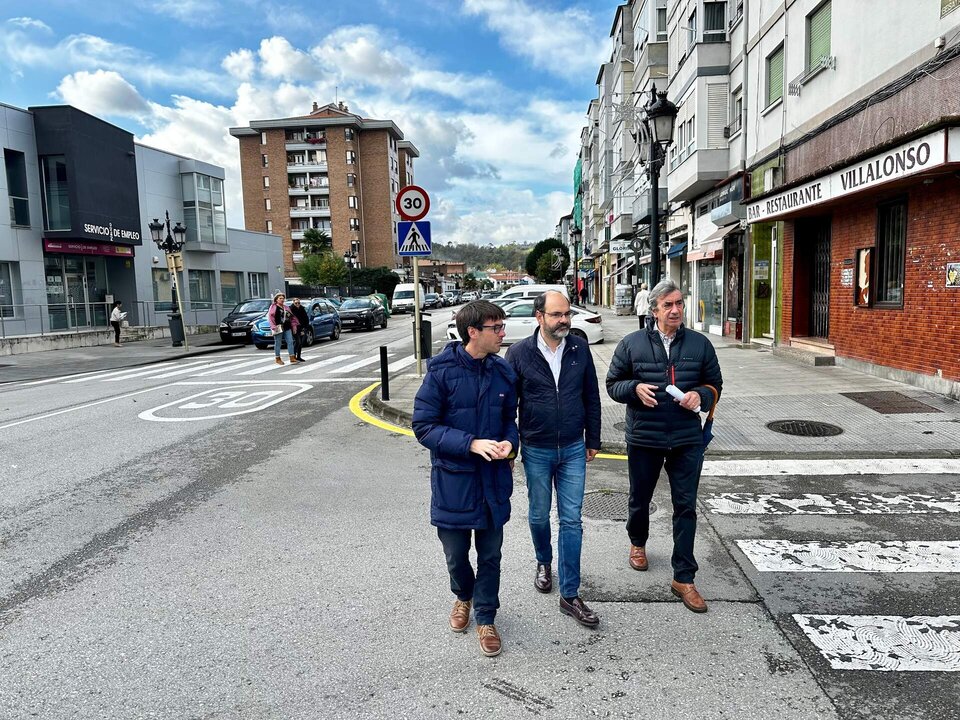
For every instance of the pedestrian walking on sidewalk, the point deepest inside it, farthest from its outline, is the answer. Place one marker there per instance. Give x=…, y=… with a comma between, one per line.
x=298, y=324
x=465, y=413
x=280, y=320
x=116, y=317
x=559, y=401
x=584, y=293
x=663, y=431
x=642, y=304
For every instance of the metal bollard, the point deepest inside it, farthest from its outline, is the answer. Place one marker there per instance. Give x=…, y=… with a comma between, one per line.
x=384, y=375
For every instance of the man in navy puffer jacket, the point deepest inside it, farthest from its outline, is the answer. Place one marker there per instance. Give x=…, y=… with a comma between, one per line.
x=661, y=430
x=465, y=414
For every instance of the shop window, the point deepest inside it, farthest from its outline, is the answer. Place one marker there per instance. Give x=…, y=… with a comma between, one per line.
x=890, y=254
x=774, y=91
x=201, y=289
x=230, y=286
x=55, y=192
x=16, y=166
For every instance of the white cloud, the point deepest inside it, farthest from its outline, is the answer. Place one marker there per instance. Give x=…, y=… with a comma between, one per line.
x=191, y=11
x=564, y=42
x=241, y=64
x=513, y=216
x=28, y=23
x=103, y=92
x=280, y=60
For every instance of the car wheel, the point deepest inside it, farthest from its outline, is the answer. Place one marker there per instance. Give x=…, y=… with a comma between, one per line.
x=261, y=346
x=579, y=333
x=384, y=323
x=308, y=337
x=335, y=333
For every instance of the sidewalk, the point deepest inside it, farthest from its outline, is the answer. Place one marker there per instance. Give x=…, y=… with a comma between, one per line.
x=760, y=388
x=54, y=363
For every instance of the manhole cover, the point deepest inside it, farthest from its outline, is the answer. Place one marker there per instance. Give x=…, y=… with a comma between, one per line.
x=621, y=426
x=804, y=428
x=889, y=402
x=606, y=505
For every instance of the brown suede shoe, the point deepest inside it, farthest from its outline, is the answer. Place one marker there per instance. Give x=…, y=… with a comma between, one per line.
x=460, y=615
x=638, y=557
x=690, y=596
x=278, y=361
x=489, y=640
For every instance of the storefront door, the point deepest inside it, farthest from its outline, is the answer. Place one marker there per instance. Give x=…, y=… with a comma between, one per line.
x=76, y=291
x=811, y=278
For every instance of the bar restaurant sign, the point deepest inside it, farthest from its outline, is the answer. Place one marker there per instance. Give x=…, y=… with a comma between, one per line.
x=908, y=159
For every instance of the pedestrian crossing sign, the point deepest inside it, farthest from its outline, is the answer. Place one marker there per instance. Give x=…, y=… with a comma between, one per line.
x=413, y=239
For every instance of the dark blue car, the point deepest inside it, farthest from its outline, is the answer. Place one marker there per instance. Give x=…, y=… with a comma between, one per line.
x=324, y=322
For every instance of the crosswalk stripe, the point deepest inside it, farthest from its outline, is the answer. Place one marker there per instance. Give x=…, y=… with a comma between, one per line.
x=400, y=364
x=878, y=466
x=184, y=371
x=929, y=643
x=308, y=367
x=831, y=504
x=913, y=556
x=129, y=372
x=357, y=364
x=247, y=363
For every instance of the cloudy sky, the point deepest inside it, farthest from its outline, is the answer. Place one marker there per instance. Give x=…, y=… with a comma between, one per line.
x=492, y=92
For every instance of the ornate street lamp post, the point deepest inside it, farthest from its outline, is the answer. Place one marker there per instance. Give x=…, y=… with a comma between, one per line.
x=350, y=258
x=171, y=245
x=659, y=117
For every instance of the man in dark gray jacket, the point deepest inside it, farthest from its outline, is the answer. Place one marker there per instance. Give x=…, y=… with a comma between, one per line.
x=663, y=430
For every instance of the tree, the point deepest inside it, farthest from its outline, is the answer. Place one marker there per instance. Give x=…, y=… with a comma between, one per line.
x=470, y=282
x=379, y=279
x=549, y=248
x=545, y=271
x=322, y=269
x=315, y=242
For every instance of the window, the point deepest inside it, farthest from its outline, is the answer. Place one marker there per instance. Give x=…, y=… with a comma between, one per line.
x=17, y=187
x=348, y=133
x=55, y=192
x=736, y=113
x=263, y=138
x=351, y=157
x=269, y=226
x=162, y=290
x=353, y=202
x=203, y=210
x=354, y=223
x=9, y=288
x=661, y=24
x=267, y=205
x=691, y=30
x=774, y=76
x=266, y=181
x=257, y=284
x=818, y=35
x=351, y=179
x=201, y=289
x=714, y=22
x=890, y=253
x=263, y=159
x=230, y=285
x=691, y=134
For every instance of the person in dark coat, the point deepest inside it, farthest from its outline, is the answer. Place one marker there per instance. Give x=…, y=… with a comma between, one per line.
x=300, y=328
x=559, y=400
x=465, y=413
x=663, y=431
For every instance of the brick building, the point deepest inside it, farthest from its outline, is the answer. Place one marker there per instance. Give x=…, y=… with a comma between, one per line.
x=331, y=170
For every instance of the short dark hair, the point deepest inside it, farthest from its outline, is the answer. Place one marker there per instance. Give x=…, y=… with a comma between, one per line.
x=540, y=302
x=474, y=314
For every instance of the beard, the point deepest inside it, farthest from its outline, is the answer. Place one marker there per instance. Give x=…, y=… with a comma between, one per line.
x=560, y=333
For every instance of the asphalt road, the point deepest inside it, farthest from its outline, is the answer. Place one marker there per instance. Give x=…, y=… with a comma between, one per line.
x=222, y=538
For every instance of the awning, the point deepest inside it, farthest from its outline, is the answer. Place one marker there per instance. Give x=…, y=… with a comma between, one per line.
x=720, y=233
x=712, y=245
x=677, y=250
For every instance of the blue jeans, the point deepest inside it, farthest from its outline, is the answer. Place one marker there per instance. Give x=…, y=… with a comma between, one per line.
x=565, y=468
x=278, y=340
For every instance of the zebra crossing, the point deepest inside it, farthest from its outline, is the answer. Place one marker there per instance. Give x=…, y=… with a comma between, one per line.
x=316, y=367
x=805, y=575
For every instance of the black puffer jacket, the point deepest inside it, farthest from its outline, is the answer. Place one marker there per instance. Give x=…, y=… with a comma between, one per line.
x=640, y=358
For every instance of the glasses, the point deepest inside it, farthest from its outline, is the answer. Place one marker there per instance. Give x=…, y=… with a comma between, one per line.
x=557, y=315
x=496, y=328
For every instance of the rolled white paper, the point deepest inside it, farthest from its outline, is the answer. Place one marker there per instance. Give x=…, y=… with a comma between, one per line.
x=676, y=392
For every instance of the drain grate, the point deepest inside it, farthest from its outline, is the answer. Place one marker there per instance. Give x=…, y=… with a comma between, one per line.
x=804, y=428
x=607, y=505
x=890, y=402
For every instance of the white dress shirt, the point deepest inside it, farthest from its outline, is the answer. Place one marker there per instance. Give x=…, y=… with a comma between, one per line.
x=553, y=358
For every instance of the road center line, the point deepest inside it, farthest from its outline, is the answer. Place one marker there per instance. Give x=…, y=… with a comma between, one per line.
x=83, y=407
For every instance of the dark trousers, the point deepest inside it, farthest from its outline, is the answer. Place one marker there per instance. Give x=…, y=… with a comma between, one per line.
x=298, y=343
x=483, y=587
x=683, y=470
x=116, y=331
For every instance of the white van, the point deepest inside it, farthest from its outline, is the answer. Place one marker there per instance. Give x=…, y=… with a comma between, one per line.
x=527, y=292
x=403, y=298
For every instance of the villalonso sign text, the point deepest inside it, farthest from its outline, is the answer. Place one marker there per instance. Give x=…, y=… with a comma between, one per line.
x=906, y=160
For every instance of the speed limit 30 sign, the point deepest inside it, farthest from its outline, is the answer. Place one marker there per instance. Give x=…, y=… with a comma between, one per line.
x=413, y=203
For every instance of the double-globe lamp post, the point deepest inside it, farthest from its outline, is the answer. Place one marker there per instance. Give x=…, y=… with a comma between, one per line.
x=171, y=245
x=350, y=259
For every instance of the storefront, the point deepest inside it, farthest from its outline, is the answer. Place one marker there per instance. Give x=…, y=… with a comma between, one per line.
x=78, y=274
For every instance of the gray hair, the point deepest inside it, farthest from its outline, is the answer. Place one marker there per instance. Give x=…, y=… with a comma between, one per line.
x=664, y=287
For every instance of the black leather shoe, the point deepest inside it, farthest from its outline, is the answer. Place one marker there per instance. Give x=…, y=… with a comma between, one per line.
x=578, y=610
x=543, y=582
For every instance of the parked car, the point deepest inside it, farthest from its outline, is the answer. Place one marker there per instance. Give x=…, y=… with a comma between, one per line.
x=449, y=298
x=431, y=301
x=324, y=323
x=522, y=292
x=238, y=324
x=521, y=322
x=358, y=313
x=382, y=299
x=403, y=295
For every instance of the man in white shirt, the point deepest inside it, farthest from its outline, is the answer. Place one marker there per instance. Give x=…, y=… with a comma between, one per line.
x=642, y=304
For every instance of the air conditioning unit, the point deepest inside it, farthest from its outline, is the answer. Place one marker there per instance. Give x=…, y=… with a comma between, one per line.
x=772, y=177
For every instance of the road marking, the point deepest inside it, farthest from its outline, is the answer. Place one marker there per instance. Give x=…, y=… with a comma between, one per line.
x=210, y=404
x=358, y=364
x=185, y=371
x=59, y=378
x=125, y=372
x=880, y=466
x=400, y=364
x=308, y=367
x=814, y=504
x=886, y=642
x=356, y=407
x=247, y=363
x=83, y=407
x=911, y=556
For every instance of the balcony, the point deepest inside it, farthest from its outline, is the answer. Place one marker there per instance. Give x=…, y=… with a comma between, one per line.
x=305, y=141
x=306, y=165
x=693, y=172
x=733, y=128
x=309, y=190
x=701, y=59
x=313, y=211
x=641, y=205
x=622, y=226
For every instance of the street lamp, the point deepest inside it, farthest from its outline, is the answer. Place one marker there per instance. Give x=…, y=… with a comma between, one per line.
x=350, y=259
x=171, y=245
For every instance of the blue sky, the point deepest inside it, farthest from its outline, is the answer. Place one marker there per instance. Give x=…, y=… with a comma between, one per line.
x=492, y=92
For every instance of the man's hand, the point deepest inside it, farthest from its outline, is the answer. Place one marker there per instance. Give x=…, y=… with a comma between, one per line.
x=506, y=447
x=591, y=454
x=690, y=401
x=487, y=449
x=645, y=391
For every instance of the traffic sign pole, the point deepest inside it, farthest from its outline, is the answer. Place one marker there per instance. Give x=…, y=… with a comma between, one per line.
x=418, y=351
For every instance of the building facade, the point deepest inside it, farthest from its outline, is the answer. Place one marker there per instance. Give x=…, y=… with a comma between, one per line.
x=76, y=235
x=331, y=170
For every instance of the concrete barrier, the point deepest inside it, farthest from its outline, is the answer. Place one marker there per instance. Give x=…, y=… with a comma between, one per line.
x=86, y=338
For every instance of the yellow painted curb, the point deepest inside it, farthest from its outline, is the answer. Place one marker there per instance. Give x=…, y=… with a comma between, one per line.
x=357, y=409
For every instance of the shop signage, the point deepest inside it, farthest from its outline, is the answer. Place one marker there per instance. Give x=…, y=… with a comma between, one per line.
x=621, y=247
x=761, y=270
x=903, y=161
x=72, y=247
x=112, y=233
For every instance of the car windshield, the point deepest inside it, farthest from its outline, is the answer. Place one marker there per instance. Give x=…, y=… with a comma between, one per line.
x=252, y=306
x=431, y=295
x=403, y=294
x=356, y=304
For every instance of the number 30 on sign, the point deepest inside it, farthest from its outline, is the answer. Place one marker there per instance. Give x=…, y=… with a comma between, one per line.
x=413, y=203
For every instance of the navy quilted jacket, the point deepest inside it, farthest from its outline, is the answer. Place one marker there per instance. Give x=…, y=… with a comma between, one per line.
x=462, y=399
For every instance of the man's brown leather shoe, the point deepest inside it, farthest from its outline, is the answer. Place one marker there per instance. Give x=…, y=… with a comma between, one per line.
x=489, y=640
x=543, y=582
x=691, y=598
x=638, y=557
x=460, y=615
x=578, y=610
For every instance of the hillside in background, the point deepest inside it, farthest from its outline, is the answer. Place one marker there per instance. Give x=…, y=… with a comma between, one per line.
x=481, y=257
